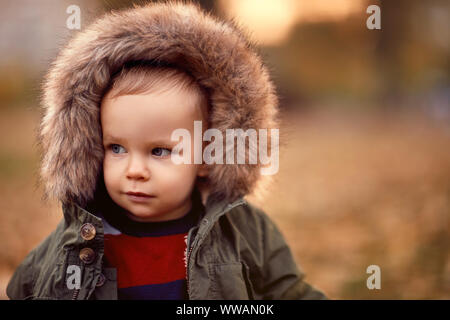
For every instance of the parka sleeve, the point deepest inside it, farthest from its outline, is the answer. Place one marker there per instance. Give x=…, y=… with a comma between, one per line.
x=21, y=284
x=282, y=278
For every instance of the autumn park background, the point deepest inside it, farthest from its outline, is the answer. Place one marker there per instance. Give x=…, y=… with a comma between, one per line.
x=365, y=169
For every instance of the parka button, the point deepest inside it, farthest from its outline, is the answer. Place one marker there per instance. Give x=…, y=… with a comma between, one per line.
x=87, y=231
x=101, y=280
x=87, y=255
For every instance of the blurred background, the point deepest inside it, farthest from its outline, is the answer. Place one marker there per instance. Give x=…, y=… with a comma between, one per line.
x=365, y=173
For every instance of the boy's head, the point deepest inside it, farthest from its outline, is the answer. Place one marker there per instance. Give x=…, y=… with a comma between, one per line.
x=216, y=53
x=140, y=110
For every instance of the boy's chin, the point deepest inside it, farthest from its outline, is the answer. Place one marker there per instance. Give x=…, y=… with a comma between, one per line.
x=146, y=216
x=143, y=216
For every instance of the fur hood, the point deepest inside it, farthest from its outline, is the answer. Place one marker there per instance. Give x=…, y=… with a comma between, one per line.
x=216, y=53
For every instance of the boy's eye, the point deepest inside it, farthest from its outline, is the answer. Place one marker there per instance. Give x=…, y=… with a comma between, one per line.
x=116, y=148
x=160, y=152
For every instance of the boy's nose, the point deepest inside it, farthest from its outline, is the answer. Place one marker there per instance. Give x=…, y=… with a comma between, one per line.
x=138, y=169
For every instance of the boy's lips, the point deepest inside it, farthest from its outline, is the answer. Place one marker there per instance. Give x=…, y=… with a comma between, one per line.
x=139, y=194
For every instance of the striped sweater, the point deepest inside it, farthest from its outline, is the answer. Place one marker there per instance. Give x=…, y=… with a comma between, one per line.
x=150, y=257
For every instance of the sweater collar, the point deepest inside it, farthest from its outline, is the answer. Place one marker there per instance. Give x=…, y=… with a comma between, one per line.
x=77, y=216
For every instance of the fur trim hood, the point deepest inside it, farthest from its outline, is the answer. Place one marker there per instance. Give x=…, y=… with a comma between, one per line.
x=216, y=53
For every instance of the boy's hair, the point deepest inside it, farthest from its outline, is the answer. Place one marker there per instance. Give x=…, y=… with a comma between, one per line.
x=144, y=78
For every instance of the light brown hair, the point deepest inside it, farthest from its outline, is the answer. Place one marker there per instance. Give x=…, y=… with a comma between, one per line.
x=140, y=78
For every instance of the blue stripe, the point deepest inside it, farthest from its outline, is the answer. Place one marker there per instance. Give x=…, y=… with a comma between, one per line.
x=174, y=290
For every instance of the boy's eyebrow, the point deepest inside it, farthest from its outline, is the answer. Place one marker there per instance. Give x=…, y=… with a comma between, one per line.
x=165, y=142
x=110, y=137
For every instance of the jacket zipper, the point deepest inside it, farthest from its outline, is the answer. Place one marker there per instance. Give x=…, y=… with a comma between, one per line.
x=75, y=294
x=187, y=265
x=187, y=270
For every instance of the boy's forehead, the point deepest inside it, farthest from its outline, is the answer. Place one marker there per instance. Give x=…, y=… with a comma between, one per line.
x=154, y=115
x=166, y=104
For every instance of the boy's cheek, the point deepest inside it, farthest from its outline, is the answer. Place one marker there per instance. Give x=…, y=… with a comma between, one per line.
x=111, y=173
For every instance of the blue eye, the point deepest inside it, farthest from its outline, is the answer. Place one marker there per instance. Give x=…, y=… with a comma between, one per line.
x=116, y=148
x=161, y=152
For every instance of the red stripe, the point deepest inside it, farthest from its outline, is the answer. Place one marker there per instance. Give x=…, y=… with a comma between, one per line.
x=146, y=260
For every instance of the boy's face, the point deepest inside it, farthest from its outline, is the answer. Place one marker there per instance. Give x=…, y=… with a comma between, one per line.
x=136, y=138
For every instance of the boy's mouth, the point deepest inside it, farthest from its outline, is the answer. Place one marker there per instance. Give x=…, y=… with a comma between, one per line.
x=138, y=196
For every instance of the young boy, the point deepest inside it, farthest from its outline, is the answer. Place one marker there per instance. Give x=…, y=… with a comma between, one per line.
x=136, y=224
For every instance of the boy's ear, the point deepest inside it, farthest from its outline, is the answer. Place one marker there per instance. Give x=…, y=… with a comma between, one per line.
x=203, y=170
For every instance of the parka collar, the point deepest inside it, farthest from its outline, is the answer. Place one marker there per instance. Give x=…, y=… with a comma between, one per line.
x=75, y=216
x=214, y=210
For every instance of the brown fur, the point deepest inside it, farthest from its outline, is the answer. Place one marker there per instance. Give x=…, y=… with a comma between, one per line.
x=216, y=53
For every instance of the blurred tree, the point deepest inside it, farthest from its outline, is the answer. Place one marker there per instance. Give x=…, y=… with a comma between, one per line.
x=394, y=31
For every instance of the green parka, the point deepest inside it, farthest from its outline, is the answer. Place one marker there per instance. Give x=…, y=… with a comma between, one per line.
x=235, y=252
